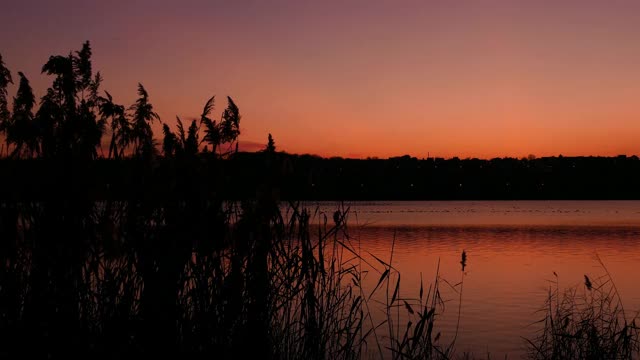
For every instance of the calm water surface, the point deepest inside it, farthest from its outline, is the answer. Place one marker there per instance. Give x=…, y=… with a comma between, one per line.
x=513, y=249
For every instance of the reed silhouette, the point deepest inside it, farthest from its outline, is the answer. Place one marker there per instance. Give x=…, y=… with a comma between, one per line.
x=586, y=323
x=123, y=257
x=188, y=247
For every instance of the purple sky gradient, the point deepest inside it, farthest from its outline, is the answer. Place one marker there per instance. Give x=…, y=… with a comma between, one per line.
x=372, y=78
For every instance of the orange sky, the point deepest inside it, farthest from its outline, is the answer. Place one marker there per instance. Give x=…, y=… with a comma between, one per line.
x=364, y=78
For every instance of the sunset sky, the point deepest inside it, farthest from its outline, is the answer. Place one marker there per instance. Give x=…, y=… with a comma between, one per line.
x=358, y=78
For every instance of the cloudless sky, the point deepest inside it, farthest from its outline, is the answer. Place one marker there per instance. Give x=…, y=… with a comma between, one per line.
x=360, y=78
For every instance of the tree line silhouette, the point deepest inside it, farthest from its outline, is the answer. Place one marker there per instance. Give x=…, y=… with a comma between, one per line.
x=410, y=178
x=74, y=116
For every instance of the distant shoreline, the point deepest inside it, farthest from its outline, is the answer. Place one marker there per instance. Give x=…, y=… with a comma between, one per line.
x=304, y=177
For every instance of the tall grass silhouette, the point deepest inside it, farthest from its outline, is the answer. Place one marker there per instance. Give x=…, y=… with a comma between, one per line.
x=586, y=322
x=131, y=278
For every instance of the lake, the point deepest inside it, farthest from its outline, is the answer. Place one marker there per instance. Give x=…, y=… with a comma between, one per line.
x=513, y=250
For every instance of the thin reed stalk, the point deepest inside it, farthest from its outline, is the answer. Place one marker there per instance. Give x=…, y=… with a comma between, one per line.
x=585, y=322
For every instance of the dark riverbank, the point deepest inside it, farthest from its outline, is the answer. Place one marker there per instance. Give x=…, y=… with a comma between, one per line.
x=314, y=178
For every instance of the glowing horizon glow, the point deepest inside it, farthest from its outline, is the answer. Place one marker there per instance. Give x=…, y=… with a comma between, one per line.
x=363, y=78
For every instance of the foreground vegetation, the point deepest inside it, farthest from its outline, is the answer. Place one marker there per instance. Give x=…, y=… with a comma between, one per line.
x=194, y=277
x=586, y=322
x=155, y=266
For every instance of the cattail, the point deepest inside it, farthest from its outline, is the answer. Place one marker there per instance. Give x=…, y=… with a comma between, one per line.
x=463, y=261
x=336, y=217
x=587, y=282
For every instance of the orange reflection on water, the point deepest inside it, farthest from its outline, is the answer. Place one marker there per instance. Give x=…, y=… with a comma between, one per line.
x=510, y=267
